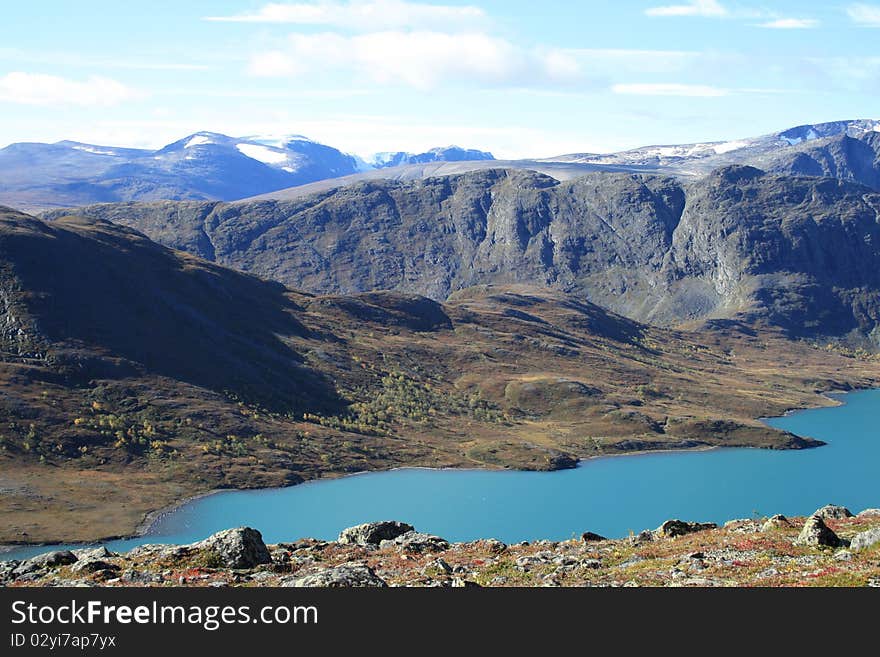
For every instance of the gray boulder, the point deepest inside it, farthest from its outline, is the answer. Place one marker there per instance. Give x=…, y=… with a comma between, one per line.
x=644, y=536
x=373, y=533
x=833, y=512
x=416, y=542
x=45, y=561
x=344, y=576
x=242, y=547
x=816, y=533
x=773, y=523
x=94, y=553
x=868, y=512
x=866, y=539
x=674, y=528
x=93, y=566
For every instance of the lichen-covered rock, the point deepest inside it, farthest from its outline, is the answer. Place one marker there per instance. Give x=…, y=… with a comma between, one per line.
x=833, y=512
x=242, y=547
x=93, y=566
x=373, y=533
x=495, y=545
x=416, y=542
x=817, y=533
x=868, y=513
x=346, y=575
x=773, y=523
x=673, y=528
x=45, y=561
x=644, y=536
x=94, y=553
x=866, y=539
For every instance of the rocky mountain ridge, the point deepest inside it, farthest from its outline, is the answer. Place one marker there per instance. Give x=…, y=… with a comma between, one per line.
x=796, y=252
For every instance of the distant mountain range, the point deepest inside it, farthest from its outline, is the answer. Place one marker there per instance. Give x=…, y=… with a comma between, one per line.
x=209, y=166
x=848, y=150
x=202, y=166
x=448, y=154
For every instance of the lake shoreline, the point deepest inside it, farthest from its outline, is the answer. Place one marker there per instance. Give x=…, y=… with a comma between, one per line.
x=150, y=519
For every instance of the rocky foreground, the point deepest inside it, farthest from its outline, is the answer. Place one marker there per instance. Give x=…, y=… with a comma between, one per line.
x=832, y=547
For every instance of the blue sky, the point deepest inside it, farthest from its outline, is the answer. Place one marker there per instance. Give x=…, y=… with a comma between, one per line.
x=518, y=78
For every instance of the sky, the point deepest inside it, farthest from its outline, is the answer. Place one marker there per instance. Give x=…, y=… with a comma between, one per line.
x=518, y=78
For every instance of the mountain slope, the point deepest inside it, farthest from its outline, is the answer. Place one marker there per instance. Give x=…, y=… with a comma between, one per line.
x=801, y=253
x=855, y=159
x=72, y=282
x=702, y=158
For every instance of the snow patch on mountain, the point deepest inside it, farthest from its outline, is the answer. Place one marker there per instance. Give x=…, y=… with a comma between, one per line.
x=730, y=146
x=94, y=150
x=198, y=140
x=262, y=153
x=276, y=141
x=794, y=141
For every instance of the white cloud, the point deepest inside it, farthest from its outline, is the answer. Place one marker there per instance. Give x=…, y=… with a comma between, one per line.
x=704, y=8
x=790, y=24
x=421, y=59
x=364, y=15
x=670, y=89
x=40, y=89
x=866, y=15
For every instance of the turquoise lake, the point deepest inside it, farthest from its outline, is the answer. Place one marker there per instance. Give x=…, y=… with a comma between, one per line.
x=610, y=496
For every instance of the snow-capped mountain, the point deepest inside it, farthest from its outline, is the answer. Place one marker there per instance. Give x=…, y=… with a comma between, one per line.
x=703, y=157
x=212, y=166
x=440, y=154
x=201, y=166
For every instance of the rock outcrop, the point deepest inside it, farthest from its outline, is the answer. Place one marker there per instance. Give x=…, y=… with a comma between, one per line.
x=413, y=541
x=373, y=533
x=817, y=533
x=778, y=521
x=45, y=561
x=348, y=575
x=235, y=548
x=866, y=539
x=833, y=512
x=674, y=528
